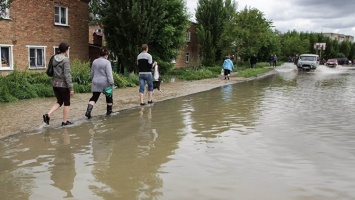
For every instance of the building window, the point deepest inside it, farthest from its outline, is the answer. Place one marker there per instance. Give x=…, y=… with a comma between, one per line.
x=60, y=15
x=56, y=51
x=37, y=57
x=187, y=60
x=6, y=53
x=188, y=36
x=4, y=14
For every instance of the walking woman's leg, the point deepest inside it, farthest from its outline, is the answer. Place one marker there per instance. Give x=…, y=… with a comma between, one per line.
x=109, y=102
x=66, y=97
x=92, y=102
x=58, y=104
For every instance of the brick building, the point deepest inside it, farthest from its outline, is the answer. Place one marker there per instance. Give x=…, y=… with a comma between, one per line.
x=189, y=53
x=31, y=30
x=96, y=40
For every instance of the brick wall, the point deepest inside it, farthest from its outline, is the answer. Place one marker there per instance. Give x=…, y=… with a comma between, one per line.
x=32, y=23
x=190, y=47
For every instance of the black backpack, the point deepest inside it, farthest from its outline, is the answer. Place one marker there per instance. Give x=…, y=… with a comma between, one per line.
x=50, y=70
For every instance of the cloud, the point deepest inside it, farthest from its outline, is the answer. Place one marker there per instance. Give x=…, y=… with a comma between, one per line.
x=303, y=15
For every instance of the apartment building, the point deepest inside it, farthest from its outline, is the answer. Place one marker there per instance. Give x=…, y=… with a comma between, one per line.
x=31, y=31
x=339, y=37
x=189, y=53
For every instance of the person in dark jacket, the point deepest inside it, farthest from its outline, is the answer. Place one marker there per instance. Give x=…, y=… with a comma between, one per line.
x=62, y=84
x=271, y=60
x=253, y=61
x=102, y=78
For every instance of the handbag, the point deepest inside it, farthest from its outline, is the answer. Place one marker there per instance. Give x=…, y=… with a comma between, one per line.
x=50, y=70
x=108, y=91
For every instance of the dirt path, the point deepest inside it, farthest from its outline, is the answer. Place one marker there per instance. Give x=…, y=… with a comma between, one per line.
x=26, y=116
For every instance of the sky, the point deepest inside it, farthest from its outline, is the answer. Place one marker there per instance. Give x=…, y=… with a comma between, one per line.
x=327, y=16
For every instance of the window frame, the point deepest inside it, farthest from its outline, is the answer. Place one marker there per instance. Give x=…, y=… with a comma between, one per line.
x=36, y=47
x=11, y=57
x=187, y=57
x=188, y=36
x=5, y=15
x=60, y=17
x=57, y=47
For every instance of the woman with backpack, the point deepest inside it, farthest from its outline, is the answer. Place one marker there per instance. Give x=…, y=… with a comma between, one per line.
x=62, y=84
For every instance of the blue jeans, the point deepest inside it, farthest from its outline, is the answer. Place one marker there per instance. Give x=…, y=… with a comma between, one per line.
x=145, y=78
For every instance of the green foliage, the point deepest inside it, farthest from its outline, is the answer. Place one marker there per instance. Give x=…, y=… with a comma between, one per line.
x=25, y=85
x=122, y=81
x=207, y=49
x=248, y=32
x=80, y=72
x=18, y=86
x=212, y=17
x=128, y=24
x=192, y=74
x=293, y=44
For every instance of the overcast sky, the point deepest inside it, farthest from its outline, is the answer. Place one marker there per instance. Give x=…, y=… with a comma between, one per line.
x=335, y=16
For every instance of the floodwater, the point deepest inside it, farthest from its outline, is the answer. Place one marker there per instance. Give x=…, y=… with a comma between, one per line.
x=289, y=136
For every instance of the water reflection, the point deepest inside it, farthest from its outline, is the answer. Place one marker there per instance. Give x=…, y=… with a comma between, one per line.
x=63, y=170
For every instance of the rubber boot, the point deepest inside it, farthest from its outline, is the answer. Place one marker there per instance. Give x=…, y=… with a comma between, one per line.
x=109, y=110
x=88, y=111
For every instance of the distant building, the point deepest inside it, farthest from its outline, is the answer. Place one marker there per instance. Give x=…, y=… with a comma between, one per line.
x=96, y=41
x=339, y=37
x=189, y=53
x=32, y=30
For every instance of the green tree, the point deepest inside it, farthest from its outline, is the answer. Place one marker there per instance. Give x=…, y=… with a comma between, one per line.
x=212, y=16
x=294, y=43
x=128, y=24
x=273, y=46
x=352, y=52
x=345, y=47
x=249, y=32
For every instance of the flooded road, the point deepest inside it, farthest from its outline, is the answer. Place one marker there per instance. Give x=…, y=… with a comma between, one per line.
x=287, y=136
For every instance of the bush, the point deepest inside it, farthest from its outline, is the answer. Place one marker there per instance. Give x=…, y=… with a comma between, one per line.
x=81, y=72
x=192, y=74
x=122, y=81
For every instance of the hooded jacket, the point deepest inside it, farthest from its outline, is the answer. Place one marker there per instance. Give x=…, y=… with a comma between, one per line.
x=228, y=64
x=62, y=72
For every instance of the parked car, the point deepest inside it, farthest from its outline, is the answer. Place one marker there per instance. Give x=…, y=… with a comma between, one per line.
x=308, y=62
x=342, y=61
x=332, y=62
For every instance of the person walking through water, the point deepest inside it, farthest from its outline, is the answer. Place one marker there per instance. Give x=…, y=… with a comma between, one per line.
x=227, y=67
x=145, y=65
x=274, y=60
x=102, y=81
x=253, y=61
x=62, y=84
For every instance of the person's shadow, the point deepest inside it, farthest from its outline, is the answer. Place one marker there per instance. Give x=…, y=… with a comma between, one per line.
x=63, y=171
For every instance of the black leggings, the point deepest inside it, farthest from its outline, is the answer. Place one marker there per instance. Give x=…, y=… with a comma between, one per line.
x=96, y=95
x=63, y=95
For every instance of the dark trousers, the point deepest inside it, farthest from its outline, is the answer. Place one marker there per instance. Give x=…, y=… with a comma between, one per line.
x=96, y=95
